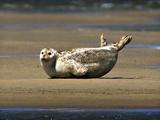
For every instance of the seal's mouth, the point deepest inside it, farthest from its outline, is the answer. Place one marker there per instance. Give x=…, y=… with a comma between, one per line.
x=45, y=59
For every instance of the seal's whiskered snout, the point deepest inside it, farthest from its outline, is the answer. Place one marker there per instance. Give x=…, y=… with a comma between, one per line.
x=45, y=57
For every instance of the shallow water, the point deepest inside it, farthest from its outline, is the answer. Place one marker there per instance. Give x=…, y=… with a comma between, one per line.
x=78, y=114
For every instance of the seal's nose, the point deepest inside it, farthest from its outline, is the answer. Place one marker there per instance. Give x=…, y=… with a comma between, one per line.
x=45, y=57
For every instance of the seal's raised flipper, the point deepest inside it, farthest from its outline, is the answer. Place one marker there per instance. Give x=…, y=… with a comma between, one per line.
x=78, y=69
x=103, y=40
x=124, y=41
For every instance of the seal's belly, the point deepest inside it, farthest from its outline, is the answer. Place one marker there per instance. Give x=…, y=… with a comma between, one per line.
x=97, y=61
x=102, y=67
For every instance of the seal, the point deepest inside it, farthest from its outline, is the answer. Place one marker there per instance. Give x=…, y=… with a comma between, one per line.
x=82, y=62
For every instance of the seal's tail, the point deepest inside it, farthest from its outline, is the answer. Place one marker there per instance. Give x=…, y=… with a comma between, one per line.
x=124, y=41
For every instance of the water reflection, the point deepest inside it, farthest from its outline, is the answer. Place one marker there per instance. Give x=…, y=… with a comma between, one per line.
x=78, y=114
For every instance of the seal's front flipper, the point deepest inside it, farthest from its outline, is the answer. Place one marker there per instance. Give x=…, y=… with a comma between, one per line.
x=124, y=41
x=103, y=40
x=78, y=69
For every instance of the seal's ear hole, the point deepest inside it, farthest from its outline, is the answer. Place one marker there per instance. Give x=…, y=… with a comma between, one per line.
x=49, y=53
x=42, y=53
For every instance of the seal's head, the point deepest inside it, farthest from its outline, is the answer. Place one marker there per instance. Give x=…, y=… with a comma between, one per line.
x=47, y=54
x=48, y=57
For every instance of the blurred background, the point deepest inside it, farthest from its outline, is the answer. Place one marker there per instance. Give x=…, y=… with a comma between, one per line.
x=77, y=5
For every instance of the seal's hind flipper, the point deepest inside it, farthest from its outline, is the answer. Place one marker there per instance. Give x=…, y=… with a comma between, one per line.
x=124, y=41
x=103, y=40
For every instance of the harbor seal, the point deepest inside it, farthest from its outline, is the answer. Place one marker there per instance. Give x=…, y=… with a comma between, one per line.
x=82, y=62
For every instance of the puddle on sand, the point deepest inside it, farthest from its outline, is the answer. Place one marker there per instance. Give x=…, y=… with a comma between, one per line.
x=153, y=66
x=148, y=46
x=78, y=114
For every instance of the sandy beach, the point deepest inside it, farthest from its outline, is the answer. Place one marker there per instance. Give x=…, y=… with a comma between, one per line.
x=134, y=82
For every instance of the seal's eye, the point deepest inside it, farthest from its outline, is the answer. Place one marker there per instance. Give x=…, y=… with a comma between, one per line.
x=42, y=53
x=49, y=53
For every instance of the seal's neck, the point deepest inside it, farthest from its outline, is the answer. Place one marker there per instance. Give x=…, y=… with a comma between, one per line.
x=49, y=66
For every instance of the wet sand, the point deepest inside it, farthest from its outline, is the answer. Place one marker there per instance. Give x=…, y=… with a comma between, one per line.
x=133, y=82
